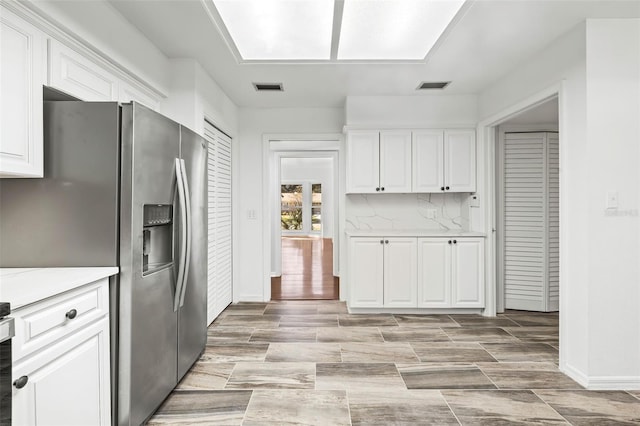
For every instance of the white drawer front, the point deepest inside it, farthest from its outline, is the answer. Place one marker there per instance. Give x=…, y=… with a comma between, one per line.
x=45, y=322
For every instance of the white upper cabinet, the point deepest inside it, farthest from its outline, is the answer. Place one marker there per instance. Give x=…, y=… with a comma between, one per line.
x=403, y=161
x=82, y=77
x=428, y=163
x=460, y=160
x=444, y=161
x=22, y=56
x=72, y=73
x=363, y=161
x=378, y=161
x=395, y=161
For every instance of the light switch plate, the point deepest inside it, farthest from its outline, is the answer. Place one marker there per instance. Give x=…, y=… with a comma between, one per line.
x=475, y=201
x=612, y=200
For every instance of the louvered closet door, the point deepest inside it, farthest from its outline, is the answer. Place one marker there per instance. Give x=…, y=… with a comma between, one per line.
x=553, y=173
x=530, y=217
x=219, y=238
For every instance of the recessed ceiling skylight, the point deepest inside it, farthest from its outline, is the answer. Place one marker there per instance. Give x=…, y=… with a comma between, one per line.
x=323, y=30
x=279, y=29
x=393, y=29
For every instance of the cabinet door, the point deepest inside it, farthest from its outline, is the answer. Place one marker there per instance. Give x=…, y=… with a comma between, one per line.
x=68, y=383
x=400, y=272
x=467, y=278
x=460, y=160
x=21, y=79
x=395, y=161
x=363, y=162
x=78, y=76
x=434, y=273
x=366, y=268
x=428, y=161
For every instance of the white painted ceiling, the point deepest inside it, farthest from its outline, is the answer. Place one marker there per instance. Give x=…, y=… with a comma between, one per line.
x=489, y=40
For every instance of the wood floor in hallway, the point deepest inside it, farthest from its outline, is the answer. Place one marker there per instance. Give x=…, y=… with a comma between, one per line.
x=307, y=270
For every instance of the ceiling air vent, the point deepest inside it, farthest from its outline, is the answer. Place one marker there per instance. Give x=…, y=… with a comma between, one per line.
x=425, y=85
x=268, y=87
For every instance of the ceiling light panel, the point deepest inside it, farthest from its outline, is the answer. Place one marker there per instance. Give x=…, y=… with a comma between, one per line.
x=393, y=29
x=279, y=29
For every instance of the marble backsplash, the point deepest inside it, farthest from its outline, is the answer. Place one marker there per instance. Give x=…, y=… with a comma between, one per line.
x=407, y=211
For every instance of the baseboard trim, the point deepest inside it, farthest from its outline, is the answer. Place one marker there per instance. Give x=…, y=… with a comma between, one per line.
x=614, y=383
x=250, y=298
x=602, y=382
x=575, y=374
x=411, y=311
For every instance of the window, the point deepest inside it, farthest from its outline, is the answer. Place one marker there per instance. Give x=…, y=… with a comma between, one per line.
x=316, y=207
x=301, y=208
x=291, y=207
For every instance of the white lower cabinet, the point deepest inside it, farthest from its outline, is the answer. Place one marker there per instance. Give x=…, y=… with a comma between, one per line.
x=416, y=272
x=434, y=273
x=67, y=384
x=382, y=272
x=451, y=272
x=366, y=271
x=65, y=381
x=400, y=273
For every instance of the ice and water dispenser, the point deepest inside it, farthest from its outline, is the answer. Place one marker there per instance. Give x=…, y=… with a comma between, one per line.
x=157, y=246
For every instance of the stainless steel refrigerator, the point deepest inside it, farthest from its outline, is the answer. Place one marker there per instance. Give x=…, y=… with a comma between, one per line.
x=124, y=186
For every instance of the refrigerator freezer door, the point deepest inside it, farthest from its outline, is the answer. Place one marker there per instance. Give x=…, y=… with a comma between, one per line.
x=192, y=316
x=147, y=321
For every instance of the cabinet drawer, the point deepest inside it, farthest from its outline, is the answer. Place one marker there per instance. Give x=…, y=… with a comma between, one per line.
x=42, y=323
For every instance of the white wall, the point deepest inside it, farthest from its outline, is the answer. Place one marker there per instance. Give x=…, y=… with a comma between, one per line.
x=424, y=110
x=254, y=123
x=597, y=67
x=193, y=96
x=613, y=151
x=313, y=170
x=561, y=63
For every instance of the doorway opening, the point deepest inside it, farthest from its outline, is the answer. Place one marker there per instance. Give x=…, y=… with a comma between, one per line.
x=306, y=225
x=527, y=211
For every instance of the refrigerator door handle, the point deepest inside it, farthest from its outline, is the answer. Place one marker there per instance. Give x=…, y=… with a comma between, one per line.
x=187, y=192
x=183, y=235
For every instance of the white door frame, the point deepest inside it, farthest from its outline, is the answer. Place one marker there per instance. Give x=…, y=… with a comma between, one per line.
x=274, y=206
x=275, y=147
x=487, y=142
x=487, y=138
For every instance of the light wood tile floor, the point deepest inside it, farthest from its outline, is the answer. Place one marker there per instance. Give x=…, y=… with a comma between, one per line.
x=312, y=363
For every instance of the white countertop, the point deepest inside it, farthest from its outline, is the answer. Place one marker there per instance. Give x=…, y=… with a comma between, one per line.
x=411, y=233
x=23, y=286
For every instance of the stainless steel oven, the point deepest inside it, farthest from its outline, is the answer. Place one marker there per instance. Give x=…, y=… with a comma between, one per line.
x=6, y=333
